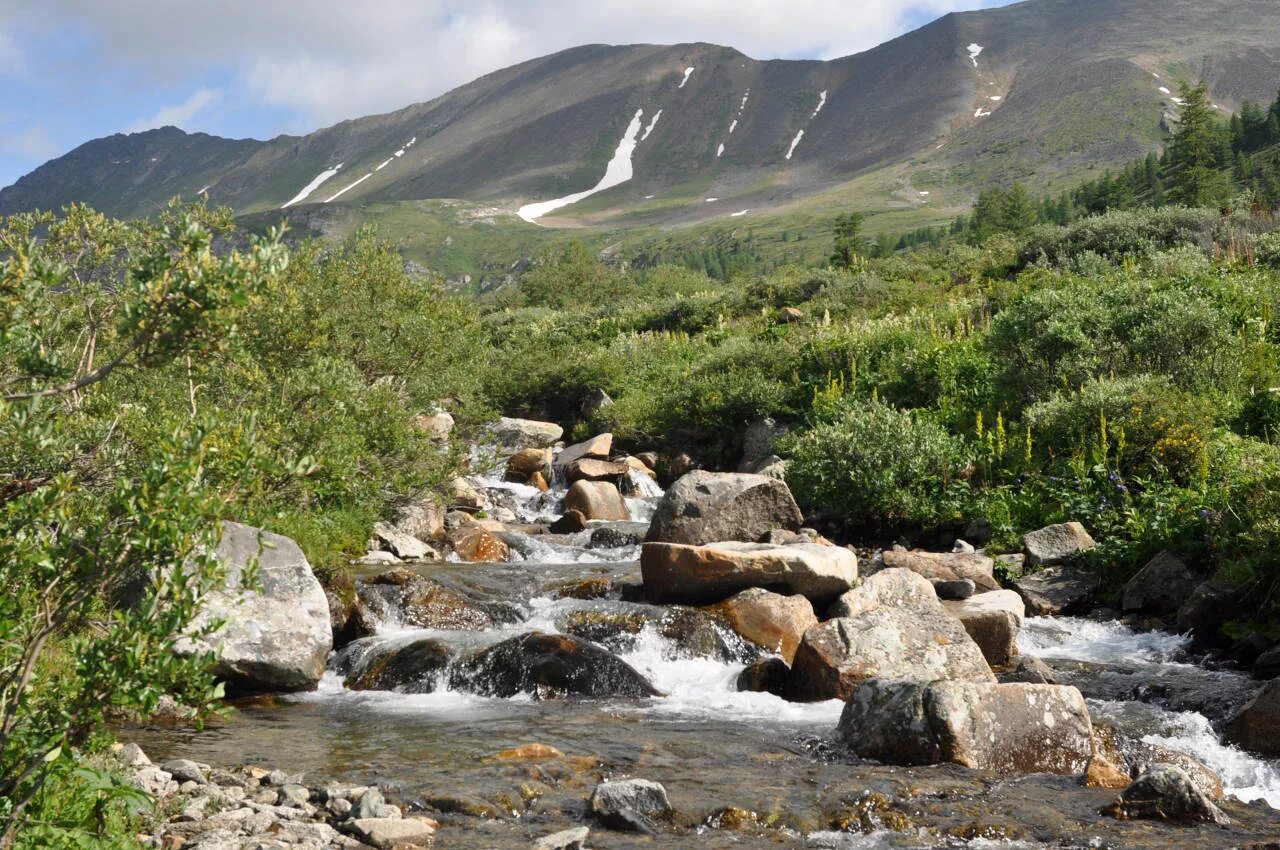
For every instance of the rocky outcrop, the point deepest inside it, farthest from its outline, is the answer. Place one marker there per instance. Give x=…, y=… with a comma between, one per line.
x=947, y=566
x=1166, y=793
x=1058, y=590
x=1160, y=587
x=549, y=665
x=703, y=574
x=1006, y=729
x=706, y=507
x=525, y=433
x=1056, y=544
x=1257, y=726
x=275, y=635
x=769, y=620
x=993, y=620
x=915, y=644
x=597, y=500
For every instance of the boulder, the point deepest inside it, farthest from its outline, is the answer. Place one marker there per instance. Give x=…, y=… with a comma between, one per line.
x=916, y=644
x=598, y=447
x=438, y=425
x=954, y=590
x=1256, y=727
x=1006, y=729
x=1056, y=544
x=705, y=507
x=549, y=665
x=524, y=464
x=1210, y=604
x=768, y=619
x=891, y=588
x=423, y=519
x=1165, y=793
x=401, y=596
x=571, y=523
x=757, y=443
x=1267, y=664
x=478, y=545
x=595, y=469
x=617, y=534
x=275, y=636
x=1057, y=590
x=416, y=668
x=388, y=833
x=638, y=464
x=568, y=839
x=597, y=500
x=467, y=496
x=525, y=433
x=1160, y=587
x=1103, y=773
x=702, y=574
x=993, y=620
x=400, y=544
x=947, y=566
x=630, y=804
x=765, y=675
x=1030, y=670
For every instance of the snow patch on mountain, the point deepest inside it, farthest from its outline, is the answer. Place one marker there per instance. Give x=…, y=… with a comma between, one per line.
x=688, y=72
x=739, y=213
x=720, y=150
x=822, y=101
x=313, y=185
x=981, y=113
x=653, y=122
x=618, y=171
x=975, y=50
x=791, y=150
x=733, y=125
x=344, y=191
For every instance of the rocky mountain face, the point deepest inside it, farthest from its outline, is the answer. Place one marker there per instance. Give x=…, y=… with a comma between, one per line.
x=694, y=131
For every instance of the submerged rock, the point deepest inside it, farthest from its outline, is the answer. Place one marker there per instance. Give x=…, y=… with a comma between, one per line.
x=1056, y=544
x=400, y=595
x=1058, y=590
x=549, y=666
x=1007, y=729
x=1165, y=793
x=615, y=535
x=701, y=574
x=705, y=507
x=947, y=566
x=275, y=636
x=631, y=805
x=993, y=620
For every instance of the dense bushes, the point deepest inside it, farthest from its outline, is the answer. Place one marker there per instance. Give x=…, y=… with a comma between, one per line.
x=1118, y=234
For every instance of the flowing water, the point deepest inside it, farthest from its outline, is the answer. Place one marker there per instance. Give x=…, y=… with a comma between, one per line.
x=742, y=769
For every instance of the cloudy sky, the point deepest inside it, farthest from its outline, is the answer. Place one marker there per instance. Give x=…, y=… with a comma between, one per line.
x=73, y=70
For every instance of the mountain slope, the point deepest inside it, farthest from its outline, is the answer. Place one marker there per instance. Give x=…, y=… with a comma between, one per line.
x=1048, y=88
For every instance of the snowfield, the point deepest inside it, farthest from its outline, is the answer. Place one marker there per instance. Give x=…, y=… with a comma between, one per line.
x=313, y=185
x=618, y=171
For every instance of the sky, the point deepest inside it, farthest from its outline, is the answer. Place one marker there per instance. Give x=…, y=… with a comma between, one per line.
x=75, y=70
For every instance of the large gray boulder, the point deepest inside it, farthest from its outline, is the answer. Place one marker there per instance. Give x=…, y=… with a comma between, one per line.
x=1007, y=729
x=1257, y=726
x=993, y=620
x=705, y=507
x=916, y=644
x=1056, y=544
x=891, y=588
x=1210, y=604
x=1058, y=590
x=1160, y=587
x=630, y=804
x=525, y=433
x=947, y=566
x=757, y=444
x=1166, y=793
x=697, y=575
x=276, y=635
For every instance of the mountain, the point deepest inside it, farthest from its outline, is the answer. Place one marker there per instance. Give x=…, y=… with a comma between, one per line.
x=1048, y=89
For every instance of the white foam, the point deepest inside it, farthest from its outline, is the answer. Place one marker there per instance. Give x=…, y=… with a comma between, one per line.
x=1077, y=639
x=794, y=142
x=688, y=72
x=720, y=151
x=347, y=189
x=739, y=213
x=975, y=50
x=650, y=197
x=743, y=105
x=313, y=185
x=924, y=192
x=822, y=101
x=653, y=122
x=618, y=171
x=1243, y=775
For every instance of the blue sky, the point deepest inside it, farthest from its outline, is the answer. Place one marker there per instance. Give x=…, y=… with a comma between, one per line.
x=74, y=70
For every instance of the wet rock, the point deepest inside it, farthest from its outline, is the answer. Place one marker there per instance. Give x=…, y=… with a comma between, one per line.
x=274, y=637
x=946, y=566
x=770, y=620
x=1006, y=729
x=888, y=643
x=598, y=587
x=766, y=675
x=1267, y=665
x=1103, y=773
x=1030, y=670
x=525, y=433
x=400, y=544
x=416, y=668
x=530, y=752
x=402, y=595
x=598, y=447
x=706, y=507
x=540, y=481
x=631, y=805
x=1165, y=793
x=597, y=500
x=1160, y=587
x=595, y=469
x=703, y=574
x=1256, y=727
x=549, y=665
x=478, y=545
x=993, y=620
x=526, y=463
x=954, y=590
x=1058, y=590
x=1210, y=604
x=387, y=833
x=1056, y=544
x=571, y=523
x=466, y=496
x=569, y=839
x=757, y=443
x=618, y=534
x=889, y=588
x=696, y=635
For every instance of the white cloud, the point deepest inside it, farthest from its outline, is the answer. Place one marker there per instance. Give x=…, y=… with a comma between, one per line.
x=329, y=61
x=179, y=113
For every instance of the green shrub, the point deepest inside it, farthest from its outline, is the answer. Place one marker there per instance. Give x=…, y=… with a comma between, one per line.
x=1118, y=234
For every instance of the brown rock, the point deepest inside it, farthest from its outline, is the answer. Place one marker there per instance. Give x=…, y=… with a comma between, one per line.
x=525, y=463
x=571, y=523
x=770, y=620
x=993, y=620
x=639, y=465
x=420, y=602
x=1102, y=773
x=600, y=447
x=594, y=469
x=476, y=544
x=539, y=481
x=597, y=500
x=701, y=574
x=530, y=752
x=947, y=566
